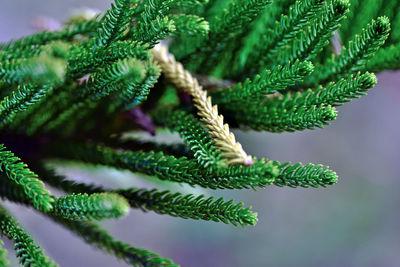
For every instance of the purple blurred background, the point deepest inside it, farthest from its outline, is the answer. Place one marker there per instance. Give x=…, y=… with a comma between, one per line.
x=353, y=223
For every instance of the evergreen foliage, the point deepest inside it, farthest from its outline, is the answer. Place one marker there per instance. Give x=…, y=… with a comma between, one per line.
x=28, y=253
x=94, y=206
x=198, y=68
x=3, y=260
x=18, y=172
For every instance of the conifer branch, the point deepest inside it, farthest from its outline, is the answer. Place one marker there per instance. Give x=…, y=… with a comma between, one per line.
x=153, y=24
x=136, y=93
x=114, y=78
x=190, y=25
x=95, y=206
x=170, y=168
x=190, y=206
x=359, y=51
x=305, y=176
x=20, y=100
x=12, y=191
x=335, y=94
x=93, y=234
x=278, y=119
x=3, y=260
x=28, y=253
x=194, y=134
x=115, y=22
x=236, y=17
x=387, y=58
x=267, y=83
x=77, y=94
x=230, y=24
x=42, y=38
x=185, y=206
x=86, y=59
x=18, y=172
x=183, y=80
x=314, y=37
x=299, y=16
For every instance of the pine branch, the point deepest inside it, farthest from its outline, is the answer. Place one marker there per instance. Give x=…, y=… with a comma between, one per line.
x=313, y=38
x=136, y=93
x=362, y=13
x=114, y=78
x=86, y=59
x=18, y=172
x=185, y=206
x=229, y=25
x=153, y=23
x=285, y=30
x=115, y=22
x=182, y=79
x=190, y=206
x=190, y=25
x=195, y=135
x=305, y=176
x=387, y=58
x=235, y=18
x=359, y=51
x=3, y=260
x=122, y=75
x=13, y=192
x=42, y=38
x=19, y=100
x=278, y=119
x=93, y=234
x=170, y=168
x=38, y=70
x=335, y=94
x=267, y=83
x=28, y=253
x=95, y=206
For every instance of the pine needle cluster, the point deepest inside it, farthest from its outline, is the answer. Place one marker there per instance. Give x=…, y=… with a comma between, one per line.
x=197, y=68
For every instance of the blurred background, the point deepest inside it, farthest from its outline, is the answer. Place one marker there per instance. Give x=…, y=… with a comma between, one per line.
x=353, y=223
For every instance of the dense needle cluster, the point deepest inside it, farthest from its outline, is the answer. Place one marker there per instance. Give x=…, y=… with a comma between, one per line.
x=197, y=68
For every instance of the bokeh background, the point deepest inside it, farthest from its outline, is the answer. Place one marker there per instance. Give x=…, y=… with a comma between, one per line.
x=353, y=223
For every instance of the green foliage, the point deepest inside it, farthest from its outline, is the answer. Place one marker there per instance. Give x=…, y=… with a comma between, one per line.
x=190, y=25
x=267, y=83
x=117, y=50
x=115, y=22
x=3, y=260
x=73, y=94
x=315, y=36
x=387, y=58
x=359, y=51
x=19, y=172
x=20, y=100
x=93, y=234
x=190, y=206
x=42, y=38
x=170, y=168
x=28, y=253
x=163, y=202
x=333, y=94
x=193, y=133
x=305, y=176
x=284, y=31
x=153, y=24
x=276, y=118
x=96, y=206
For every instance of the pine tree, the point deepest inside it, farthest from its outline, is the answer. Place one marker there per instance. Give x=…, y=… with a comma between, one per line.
x=197, y=68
